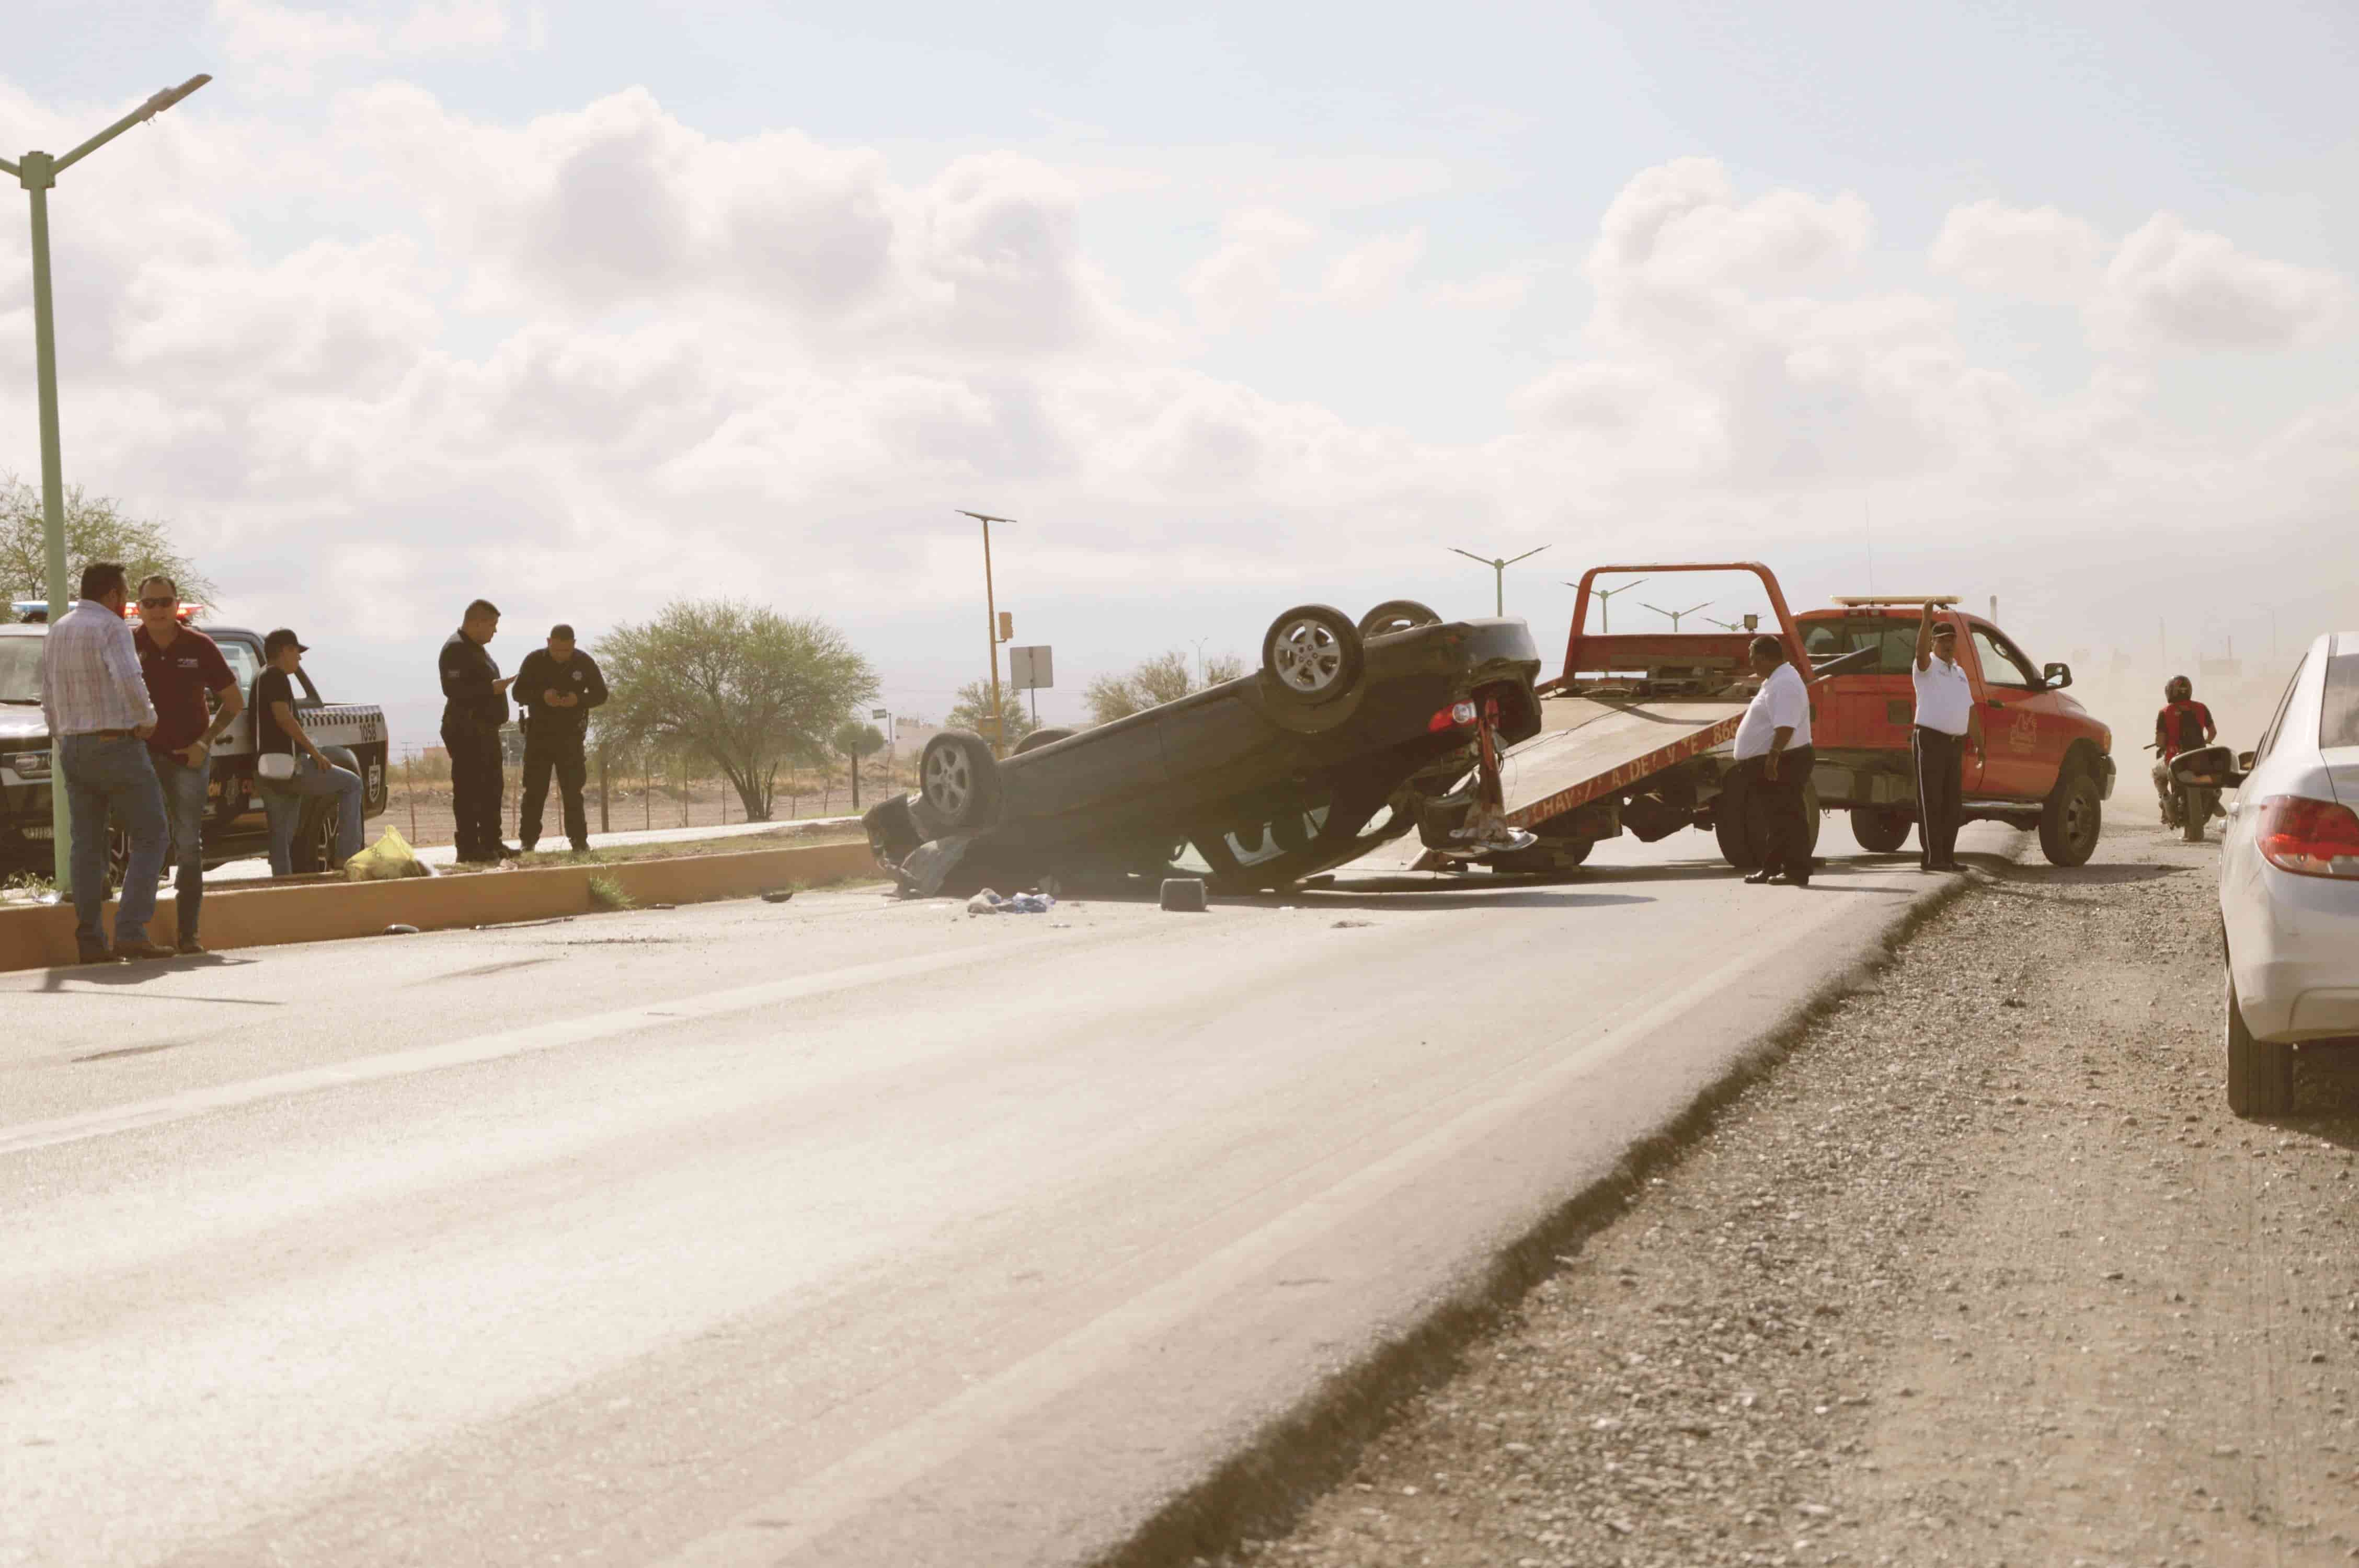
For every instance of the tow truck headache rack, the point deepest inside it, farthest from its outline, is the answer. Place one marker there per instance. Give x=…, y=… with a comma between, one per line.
x=1631, y=728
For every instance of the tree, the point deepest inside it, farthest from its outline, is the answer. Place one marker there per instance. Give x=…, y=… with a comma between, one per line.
x=1161, y=679
x=739, y=684
x=95, y=531
x=973, y=711
x=856, y=740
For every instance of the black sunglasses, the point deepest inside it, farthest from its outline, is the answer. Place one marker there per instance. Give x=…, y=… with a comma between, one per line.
x=159, y=604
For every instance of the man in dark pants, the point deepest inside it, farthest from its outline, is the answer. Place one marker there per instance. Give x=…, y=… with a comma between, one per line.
x=1945, y=718
x=1773, y=746
x=475, y=706
x=557, y=686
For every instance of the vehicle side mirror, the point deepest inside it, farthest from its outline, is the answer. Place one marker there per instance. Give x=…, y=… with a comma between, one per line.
x=2059, y=676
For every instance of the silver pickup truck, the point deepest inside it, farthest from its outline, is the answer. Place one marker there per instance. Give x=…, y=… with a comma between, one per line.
x=352, y=733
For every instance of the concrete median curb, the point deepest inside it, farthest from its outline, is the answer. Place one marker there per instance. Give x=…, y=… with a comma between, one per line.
x=323, y=910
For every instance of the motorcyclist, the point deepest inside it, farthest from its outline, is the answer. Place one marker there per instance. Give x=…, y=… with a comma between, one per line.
x=2181, y=725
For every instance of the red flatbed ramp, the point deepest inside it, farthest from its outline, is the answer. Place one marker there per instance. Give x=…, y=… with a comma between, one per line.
x=1590, y=746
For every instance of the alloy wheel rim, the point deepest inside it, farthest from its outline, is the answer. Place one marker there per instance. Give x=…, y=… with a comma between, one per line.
x=946, y=780
x=1309, y=657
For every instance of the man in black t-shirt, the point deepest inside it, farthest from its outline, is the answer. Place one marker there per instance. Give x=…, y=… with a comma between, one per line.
x=474, y=707
x=557, y=687
x=278, y=733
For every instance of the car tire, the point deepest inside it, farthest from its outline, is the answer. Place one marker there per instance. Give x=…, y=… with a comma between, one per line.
x=1396, y=615
x=1311, y=656
x=2070, y=818
x=1880, y=830
x=1039, y=737
x=2260, y=1072
x=1549, y=857
x=314, y=849
x=959, y=778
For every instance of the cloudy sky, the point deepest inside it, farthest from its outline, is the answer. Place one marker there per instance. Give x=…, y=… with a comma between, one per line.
x=585, y=306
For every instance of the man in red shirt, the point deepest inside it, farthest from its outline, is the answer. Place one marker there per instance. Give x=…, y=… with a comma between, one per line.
x=2182, y=725
x=181, y=665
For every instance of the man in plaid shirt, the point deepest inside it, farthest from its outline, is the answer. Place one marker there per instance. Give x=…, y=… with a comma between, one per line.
x=100, y=718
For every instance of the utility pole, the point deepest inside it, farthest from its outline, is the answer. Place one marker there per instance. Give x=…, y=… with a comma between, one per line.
x=991, y=628
x=1499, y=572
x=38, y=173
x=1605, y=603
x=1674, y=614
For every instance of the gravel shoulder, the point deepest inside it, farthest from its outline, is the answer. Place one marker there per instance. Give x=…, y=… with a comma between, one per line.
x=1983, y=1272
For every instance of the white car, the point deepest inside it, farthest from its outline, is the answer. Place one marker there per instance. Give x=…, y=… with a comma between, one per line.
x=2289, y=881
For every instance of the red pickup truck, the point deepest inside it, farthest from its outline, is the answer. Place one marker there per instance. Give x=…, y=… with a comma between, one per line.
x=2041, y=762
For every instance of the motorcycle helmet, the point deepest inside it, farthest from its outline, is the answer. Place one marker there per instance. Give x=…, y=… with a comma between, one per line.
x=2178, y=689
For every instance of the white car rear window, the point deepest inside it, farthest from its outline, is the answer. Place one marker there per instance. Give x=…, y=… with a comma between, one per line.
x=2338, y=723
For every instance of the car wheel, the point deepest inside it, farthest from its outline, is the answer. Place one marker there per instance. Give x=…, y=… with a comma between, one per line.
x=1039, y=737
x=1549, y=857
x=1880, y=830
x=2260, y=1072
x=1396, y=615
x=1312, y=654
x=314, y=849
x=959, y=778
x=2070, y=819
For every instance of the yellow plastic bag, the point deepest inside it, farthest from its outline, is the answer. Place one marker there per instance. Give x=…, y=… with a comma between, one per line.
x=389, y=858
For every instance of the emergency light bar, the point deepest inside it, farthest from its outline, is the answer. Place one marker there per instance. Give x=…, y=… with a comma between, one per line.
x=1857, y=599
x=185, y=613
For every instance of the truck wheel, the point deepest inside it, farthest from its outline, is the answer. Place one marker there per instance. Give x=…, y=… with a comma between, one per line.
x=959, y=778
x=1312, y=654
x=1039, y=737
x=1396, y=615
x=314, y=849
x=2260, y=1072
x=1880, y=830
x=2070, y=819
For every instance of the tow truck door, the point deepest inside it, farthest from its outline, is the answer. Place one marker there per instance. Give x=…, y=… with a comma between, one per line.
x=2017, y=735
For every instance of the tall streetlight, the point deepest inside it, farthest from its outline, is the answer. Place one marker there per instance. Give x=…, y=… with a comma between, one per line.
x=1605, y=603
x=991, y=612
x=1499, y=570
x=36, y=172
x=1674, y=614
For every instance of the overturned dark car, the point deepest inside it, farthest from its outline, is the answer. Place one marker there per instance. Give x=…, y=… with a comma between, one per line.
x=1348, y=735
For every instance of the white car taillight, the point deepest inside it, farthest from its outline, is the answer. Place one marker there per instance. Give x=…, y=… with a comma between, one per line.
x=2309, y=837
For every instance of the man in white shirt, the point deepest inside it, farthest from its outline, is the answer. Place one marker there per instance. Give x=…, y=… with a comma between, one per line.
x=1774, y=757
x=100, y=718
x=1945, y=718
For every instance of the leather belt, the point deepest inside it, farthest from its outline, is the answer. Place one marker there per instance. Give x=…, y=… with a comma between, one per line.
x=104, y=734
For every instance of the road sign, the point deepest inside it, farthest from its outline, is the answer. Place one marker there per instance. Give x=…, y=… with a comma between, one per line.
x=878, y=712
x=1031, y=668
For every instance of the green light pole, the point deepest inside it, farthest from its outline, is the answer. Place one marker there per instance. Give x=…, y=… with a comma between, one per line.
x=36, y=172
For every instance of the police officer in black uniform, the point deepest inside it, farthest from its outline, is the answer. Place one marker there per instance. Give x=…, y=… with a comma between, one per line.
x=557, y=686
x=474, y=707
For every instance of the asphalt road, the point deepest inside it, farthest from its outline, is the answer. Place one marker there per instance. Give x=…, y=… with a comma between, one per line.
x=839, y=1231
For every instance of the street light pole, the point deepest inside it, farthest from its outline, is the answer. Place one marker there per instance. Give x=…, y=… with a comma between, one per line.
x=991, y=632
x=38, y=173
x=1605, y=603
x=1499, y=572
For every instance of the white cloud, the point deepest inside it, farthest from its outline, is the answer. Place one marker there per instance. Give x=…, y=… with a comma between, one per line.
x=1370, y=276
x=2038, y=253
x=1503, y=289
x=2172, y=287
x=1242, y=282
x=286, y=48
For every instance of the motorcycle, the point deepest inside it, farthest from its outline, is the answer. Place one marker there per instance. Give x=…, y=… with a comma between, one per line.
x=2197, y=777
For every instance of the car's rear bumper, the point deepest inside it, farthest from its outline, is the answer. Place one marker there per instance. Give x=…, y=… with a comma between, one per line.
x=2295, y=957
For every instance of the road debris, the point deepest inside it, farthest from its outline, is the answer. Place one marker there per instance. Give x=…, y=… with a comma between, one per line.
x=778, y=895
x=1185, y=896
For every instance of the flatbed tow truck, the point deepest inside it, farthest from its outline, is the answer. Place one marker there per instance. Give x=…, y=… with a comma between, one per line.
x=1635, y=736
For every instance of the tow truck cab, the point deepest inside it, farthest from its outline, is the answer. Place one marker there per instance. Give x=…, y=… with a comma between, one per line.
x=2044, y=763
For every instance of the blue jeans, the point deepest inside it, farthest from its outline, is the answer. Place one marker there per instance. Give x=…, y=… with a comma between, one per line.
x=184, y=805
x=103, y=777
x=282, y=803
